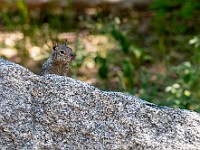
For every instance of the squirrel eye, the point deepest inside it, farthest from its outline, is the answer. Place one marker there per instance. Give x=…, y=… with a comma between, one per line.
x=62, y=52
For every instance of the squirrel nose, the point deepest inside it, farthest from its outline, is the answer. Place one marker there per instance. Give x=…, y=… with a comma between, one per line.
x=72, y=55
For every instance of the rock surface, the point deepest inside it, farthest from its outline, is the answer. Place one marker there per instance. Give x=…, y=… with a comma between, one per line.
x=54, y=112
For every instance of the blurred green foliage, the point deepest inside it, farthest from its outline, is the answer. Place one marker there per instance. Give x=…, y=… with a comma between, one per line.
x=102, y=64
x=160, y=65
x=178, y=23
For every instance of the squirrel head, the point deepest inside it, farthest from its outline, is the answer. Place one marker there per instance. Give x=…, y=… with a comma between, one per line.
x=62, y=53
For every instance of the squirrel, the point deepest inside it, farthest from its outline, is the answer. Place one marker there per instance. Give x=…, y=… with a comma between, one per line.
x=59, y=60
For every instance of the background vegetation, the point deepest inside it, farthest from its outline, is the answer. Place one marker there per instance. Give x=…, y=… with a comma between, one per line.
x=152, y=53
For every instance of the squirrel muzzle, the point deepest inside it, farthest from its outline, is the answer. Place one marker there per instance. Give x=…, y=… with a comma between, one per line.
x=71, y=56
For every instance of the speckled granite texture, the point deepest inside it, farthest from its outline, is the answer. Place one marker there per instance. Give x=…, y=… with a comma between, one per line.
x=59, y=113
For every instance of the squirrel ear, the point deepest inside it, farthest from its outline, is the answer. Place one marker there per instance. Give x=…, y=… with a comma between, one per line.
x=55, y=44
x=66, y=42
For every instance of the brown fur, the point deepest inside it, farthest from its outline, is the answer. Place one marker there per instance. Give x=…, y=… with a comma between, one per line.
x=58, y=61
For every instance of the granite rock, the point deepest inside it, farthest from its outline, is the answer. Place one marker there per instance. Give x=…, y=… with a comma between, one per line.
x=55, y=112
